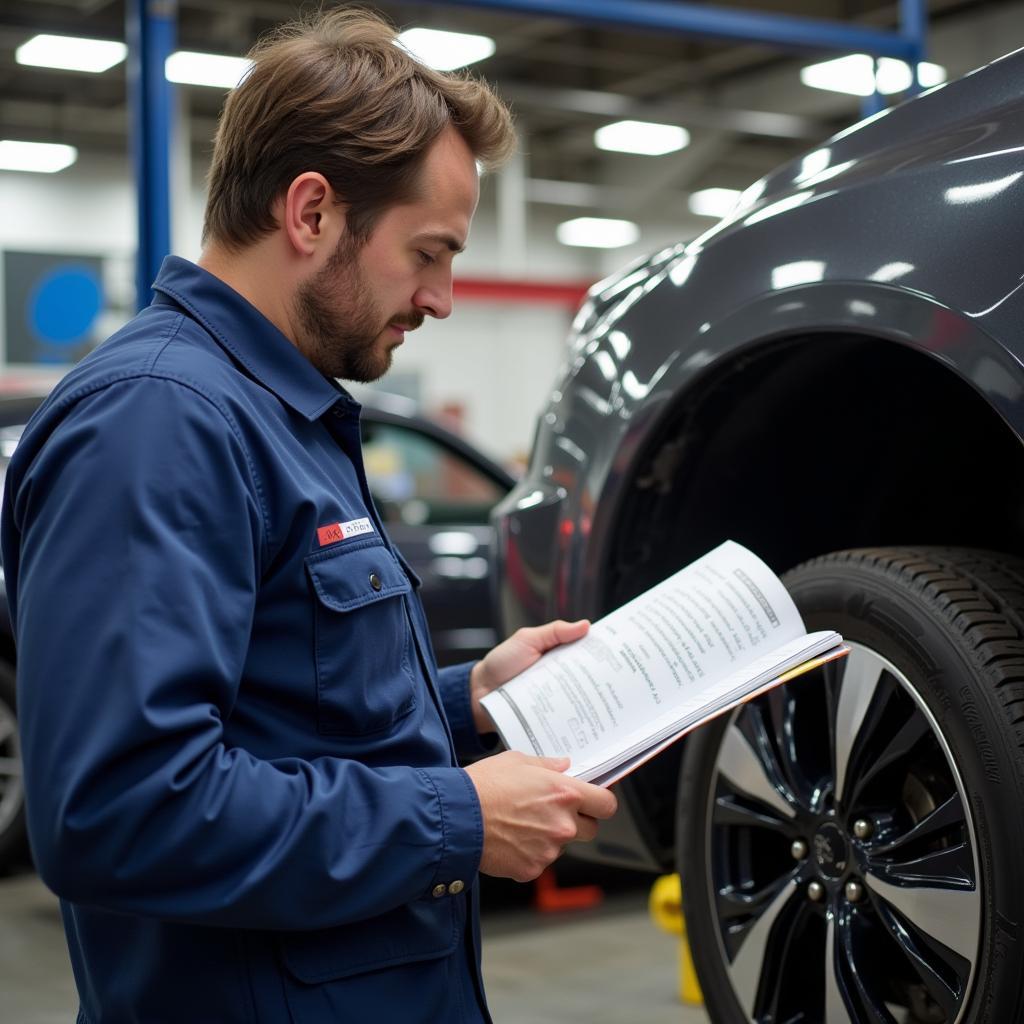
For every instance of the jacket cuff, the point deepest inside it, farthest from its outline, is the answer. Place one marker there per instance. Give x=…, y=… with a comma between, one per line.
x=454, y=685
x=462, y=831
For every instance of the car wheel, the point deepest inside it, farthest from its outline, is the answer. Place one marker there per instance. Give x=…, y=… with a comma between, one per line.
x=850, y=843
x=12, y=791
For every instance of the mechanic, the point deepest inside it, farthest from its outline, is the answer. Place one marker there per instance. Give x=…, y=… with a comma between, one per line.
x=240, y=757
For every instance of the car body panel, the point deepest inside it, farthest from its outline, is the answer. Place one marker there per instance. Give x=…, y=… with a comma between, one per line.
x=903, y=230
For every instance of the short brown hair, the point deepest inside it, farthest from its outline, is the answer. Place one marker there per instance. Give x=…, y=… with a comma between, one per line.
x=333, y=93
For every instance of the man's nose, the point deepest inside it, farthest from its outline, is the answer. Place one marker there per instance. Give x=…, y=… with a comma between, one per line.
x=435, y=299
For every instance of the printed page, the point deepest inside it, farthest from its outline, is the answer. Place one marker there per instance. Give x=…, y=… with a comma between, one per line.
x=649, y=657
x=786, y=663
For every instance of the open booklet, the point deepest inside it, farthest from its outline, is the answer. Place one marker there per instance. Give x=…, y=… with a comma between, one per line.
x=717, y=633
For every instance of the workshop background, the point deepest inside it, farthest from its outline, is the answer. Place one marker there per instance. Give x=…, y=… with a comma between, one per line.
x=730, y=106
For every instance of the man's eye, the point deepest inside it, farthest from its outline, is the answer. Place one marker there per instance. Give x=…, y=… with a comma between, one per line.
x=425, y=258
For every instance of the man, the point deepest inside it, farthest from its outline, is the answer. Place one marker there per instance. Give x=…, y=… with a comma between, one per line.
x=239, y=754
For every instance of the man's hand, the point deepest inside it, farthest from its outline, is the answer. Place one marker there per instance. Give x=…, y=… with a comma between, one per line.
x=531, y=810
x=513, y=656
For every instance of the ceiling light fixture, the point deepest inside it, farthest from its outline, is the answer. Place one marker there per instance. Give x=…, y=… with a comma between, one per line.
x=643, y=137
x=855, y=74
x=597, y=232
x=71, y=53
x=213, y=69
x=445, y=51
x=713, y=202
x=38, y=157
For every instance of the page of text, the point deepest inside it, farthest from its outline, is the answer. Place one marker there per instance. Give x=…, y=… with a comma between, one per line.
x=646, y=658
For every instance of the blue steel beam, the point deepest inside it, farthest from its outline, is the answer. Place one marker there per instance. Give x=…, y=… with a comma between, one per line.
x=720, y=23
x=150, y=30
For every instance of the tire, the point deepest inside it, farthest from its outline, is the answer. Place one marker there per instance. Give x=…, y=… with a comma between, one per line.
x=850, y=843
x=12, y=792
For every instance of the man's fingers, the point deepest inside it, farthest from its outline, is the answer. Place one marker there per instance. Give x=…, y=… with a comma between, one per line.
x=555, y=764
x=597, y=802
x=586, y=828
x=553, y=634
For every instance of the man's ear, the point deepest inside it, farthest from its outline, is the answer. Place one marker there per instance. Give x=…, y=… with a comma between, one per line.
x=310, y=216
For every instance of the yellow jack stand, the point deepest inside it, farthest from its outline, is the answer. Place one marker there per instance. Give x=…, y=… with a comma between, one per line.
x=666, y=908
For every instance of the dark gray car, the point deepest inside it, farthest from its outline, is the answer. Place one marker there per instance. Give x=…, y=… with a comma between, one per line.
x=833, y=377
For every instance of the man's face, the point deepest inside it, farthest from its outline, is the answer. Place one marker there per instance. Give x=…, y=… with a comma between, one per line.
x=355, y=310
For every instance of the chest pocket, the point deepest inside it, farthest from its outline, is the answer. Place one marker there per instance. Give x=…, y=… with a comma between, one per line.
x=364, y=674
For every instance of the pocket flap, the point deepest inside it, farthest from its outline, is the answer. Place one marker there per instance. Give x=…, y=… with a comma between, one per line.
x=424, y=930
x=351, y=577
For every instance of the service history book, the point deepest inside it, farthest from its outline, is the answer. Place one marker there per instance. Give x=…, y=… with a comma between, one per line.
x=717, y=633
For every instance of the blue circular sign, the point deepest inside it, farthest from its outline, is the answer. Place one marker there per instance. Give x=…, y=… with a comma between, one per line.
x=64, y=304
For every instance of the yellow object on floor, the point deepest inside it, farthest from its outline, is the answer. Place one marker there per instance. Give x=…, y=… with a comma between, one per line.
x=666, y=907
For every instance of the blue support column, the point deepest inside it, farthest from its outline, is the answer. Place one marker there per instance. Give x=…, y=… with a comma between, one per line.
x=150, y=31
x=914, y=26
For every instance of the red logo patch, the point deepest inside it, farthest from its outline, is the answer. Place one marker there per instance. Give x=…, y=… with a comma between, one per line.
x=329, y=534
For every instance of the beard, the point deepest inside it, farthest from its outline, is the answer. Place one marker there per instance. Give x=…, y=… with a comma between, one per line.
x=342, y=322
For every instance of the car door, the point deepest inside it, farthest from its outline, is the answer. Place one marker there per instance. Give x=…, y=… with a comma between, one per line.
x=435, y=494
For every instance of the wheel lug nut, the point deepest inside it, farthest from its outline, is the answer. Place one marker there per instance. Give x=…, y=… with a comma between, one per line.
x=863, y=828
x=815, y=891
x=798, y=849
x=854, y=892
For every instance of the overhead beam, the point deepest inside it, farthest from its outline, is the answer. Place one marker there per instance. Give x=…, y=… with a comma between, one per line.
x=784, y=31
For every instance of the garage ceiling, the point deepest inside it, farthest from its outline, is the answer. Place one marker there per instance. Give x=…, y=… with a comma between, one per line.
x=743, y=104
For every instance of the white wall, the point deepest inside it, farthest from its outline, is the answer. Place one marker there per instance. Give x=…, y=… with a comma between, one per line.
x=496, y=360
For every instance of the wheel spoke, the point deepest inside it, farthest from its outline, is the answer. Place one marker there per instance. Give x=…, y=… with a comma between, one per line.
x=748, y=964
x=746, y=772
x=10, y=767
x=921, y=957
x=861, y=675
x=837, y=1009
x=897, y=748
x=734, y=904
x=732, y=812
x=8, y=726
x=949, y=914
x=948, y=868
x=947, y=817
x=849, y=999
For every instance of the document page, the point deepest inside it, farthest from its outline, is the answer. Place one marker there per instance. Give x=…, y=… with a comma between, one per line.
x=651, y=658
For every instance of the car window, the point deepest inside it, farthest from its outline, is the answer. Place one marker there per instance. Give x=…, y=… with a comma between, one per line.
x=417, y=480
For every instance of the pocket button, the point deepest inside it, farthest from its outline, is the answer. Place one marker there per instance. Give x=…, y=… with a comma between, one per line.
x=375, y=581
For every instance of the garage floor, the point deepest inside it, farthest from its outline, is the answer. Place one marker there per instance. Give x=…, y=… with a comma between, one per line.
x=602, y=966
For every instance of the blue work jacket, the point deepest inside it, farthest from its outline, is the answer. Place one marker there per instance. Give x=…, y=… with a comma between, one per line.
x=240, y=757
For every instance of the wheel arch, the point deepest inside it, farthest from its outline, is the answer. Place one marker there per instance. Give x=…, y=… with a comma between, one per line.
x=827, y=433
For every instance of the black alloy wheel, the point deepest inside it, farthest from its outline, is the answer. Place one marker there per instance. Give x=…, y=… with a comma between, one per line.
x=850, y=843
x=12, y=789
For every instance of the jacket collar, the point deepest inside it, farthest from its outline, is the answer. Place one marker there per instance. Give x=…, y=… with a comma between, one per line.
x=248, y=337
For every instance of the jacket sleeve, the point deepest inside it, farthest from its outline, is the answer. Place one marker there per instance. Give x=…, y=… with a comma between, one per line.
x=454, y=686
x=135, y=539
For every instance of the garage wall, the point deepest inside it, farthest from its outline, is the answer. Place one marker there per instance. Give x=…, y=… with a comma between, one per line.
x=496, y=361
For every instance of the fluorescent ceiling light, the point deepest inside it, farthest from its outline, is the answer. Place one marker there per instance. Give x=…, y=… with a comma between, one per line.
x=713, y=202
x=71, y=53
x=597, y=232
x=42, y=157
x=213, y=69
x=642, y=137
x=445, y=51
x=855, y=74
